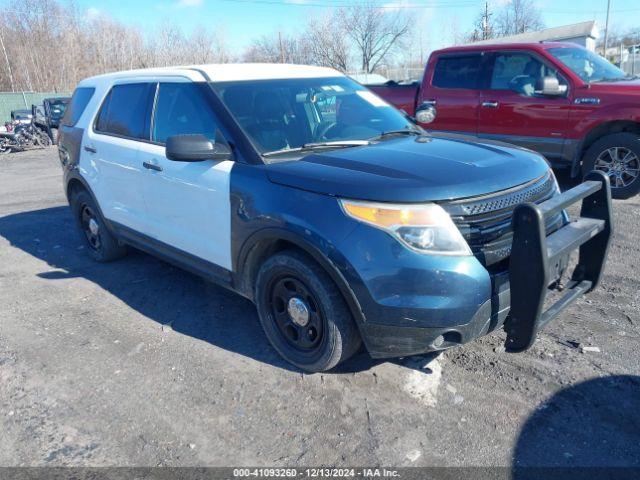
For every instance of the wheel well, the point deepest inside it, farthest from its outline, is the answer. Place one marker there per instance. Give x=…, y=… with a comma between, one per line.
x=73, y=186
x=266, y=248
x=259, y=253
x=608, y=128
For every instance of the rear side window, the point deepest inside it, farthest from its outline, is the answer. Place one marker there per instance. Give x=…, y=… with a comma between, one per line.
x=78, y=103
x=459, y=71
x=182, y=108
x=126, y=111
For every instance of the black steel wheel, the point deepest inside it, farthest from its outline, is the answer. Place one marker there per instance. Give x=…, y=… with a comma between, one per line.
x=102, y=245
x=298, y=317
x=303, y=313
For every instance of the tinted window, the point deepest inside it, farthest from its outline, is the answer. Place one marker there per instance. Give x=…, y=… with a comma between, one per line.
x=126, y=111
x=286, y=114
x=457, y=71
x=182, y=108
x=77, y=105
x=519, y=72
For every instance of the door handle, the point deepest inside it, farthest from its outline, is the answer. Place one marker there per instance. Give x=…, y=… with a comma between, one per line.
x=490, y=104
x=152, y=166
x=90, y=149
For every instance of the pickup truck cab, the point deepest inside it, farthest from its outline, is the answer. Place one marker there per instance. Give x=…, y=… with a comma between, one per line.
x=559, y=99
x=48, y=117
x=343, y=221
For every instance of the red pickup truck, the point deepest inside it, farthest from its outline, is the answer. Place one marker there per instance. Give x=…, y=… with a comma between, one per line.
x=559, y=99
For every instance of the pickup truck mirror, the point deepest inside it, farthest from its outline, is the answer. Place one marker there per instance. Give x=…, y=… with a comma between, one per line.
x=426, y=112
x=550, y=86
x=196, y=148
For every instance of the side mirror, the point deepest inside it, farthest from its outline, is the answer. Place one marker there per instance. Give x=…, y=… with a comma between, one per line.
x=196, y=148
x=426, y=112
x=550, y=86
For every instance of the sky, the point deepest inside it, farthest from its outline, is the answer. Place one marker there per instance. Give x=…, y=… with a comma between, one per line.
x=243, y=20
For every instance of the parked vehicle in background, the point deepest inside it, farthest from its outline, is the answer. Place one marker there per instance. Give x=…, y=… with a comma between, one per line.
x=48, y=116
x=21, y=117
x=23, y=136
x=343, y=221
x=559, y=99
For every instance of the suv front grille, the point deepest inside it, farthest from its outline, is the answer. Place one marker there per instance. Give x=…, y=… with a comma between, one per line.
x=485, y=221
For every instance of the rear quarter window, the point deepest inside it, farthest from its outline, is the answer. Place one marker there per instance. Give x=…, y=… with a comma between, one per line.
x=126, y=111
x=457, y=71
x=77, y=105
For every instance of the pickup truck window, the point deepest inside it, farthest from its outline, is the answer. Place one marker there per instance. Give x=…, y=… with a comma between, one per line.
x=519, y=72
x=182, y=109
x=589, y=66
x=280, y=115
x=457, y=71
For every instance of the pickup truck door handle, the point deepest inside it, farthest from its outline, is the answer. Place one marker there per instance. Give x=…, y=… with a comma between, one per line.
x=90, y=149
x=490, y=104
x=152, y=166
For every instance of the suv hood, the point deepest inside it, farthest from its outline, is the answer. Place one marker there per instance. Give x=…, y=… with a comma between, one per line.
x=412, y=169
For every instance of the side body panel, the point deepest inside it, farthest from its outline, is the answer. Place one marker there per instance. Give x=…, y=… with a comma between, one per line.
x=188, y=204
x=403, y=97
x=457, y=108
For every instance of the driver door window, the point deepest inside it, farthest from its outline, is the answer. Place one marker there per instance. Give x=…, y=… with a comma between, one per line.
x=520, y=73
x=182, y=109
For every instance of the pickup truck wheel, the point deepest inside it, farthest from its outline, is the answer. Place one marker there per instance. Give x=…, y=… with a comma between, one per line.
x=303, y=313
x=102, y=245
x=617, y=155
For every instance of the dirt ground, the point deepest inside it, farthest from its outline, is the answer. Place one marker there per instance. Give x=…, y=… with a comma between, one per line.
x=139, y=363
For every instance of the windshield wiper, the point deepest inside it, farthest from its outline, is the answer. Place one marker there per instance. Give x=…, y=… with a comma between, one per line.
x=318, y=145
x=405, y=131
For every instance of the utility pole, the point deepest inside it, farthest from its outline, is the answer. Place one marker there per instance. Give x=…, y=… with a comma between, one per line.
x=606, y=29
x=486, y=26
x=281, y=49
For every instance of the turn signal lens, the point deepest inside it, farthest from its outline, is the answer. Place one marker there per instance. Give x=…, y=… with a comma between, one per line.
x=426, y=228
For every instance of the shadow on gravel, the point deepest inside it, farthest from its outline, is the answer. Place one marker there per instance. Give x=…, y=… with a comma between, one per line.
x=176, y=299
x=593, y=425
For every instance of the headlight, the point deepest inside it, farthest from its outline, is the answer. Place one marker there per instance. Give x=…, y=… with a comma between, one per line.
x=426, y=228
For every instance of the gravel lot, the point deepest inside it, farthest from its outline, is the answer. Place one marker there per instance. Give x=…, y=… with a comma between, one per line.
x=139, y=363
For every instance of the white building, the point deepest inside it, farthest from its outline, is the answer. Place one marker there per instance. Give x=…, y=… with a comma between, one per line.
x=584, y=33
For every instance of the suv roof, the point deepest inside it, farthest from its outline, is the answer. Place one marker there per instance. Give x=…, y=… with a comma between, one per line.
x=507, y=46
x=225, y=72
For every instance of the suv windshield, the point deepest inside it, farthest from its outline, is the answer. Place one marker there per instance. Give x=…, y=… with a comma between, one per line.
x=292, y=114
x=589, y=66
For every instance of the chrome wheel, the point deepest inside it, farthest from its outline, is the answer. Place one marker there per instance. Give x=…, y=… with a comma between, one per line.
x=90, y=227
x=621, y=164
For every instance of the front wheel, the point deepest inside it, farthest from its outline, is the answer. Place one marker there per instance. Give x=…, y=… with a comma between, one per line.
x=303, y=313
x=617, y=155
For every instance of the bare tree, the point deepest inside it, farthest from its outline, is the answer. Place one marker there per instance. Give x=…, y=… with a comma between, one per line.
x=519, y=16
x=375, y=31
x=326, y=42
x=277, y=48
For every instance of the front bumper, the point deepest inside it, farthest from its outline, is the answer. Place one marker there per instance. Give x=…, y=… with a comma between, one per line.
x=415, y=303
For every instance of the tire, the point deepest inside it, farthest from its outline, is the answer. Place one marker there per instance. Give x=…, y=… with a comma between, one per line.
x=627, y=148
x=54, y=136
x=101, y=244
x=328, y=337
